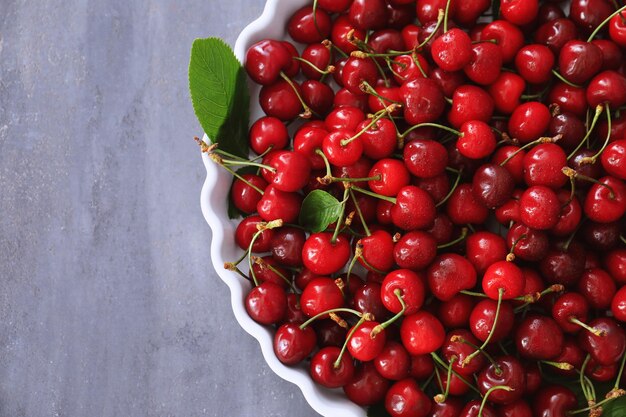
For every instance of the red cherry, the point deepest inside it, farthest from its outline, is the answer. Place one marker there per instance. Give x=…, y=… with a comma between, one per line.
x=506, y=276
x=473, y=407
x=309, y=26
x=266, y=303
x=615, y=263
x=414, y=209
x=519, y=12
x=339, y=34
x=567, y=306
x=276, y=204
x=409, y=67
x=266, y=132
x=411, y=287
x=322, y=256
x=483, y=249
x=244, y=196
x=461, y=350
x=617, y=29
x=486, y=63
x=415, y=250
x=344, y=118
x=280, y=100
x=543, y=166
x=477, y=140
x=618, y=306
x=579, y=61
x=569, y=98
x=449, y=274
x=482, y=320
x=554, y=401
x=393, y=177
x=367, y=386
x=508, y=36
x=319, y=56
x=529, y=121
x=362, y=345
x=463, y=207
x=357, y=71
x=607, y=87
x=324, y=372
x=306, y=141
x=539, y=207
x=470, y=102
x=425, y=158
x=368, y=14
x=608, y=348
x=378, y=250
x=379, y=141
x=613, y=159
x=534, y=63
x=422, y=101
x=406, y=399
x=292, y=170
x=452, y=50
x=507, y=91
x=321, y=294
x=606, y=201
x=293, y=344
x=340, y=150
x=527, y=243
x=598, y=288
x=265, y=60
x=393, y=362
x=422, y=333
x=504, y=371
x=539, y=337
x=246, y=230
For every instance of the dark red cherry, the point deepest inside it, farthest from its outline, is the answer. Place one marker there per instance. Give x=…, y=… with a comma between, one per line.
x=608, y=87
x=569, y=98
x=555, y=33
x=266, y=303
x=318, y=96
x=425, y=158
x=615, y=264
x=415, y=250
x=368, y=14
x=527, y=243
x=579, y=61
x=323, y=369
x=451, y=407
x=485, y=64
x=265, y=60
x=450, y=273
x=618, y=305
x=608, y=348
x=539, y=337
x=569, y=306
x=519, y=12
x=519, y=408
x=554, y=401
x=463, y=207
x=318, y=56
x=598, y=288
x=492, y=185
x=588, y=14
x=367, y=386
x=570, y=127
x=422, y=101
x=473, y=407
x=393, y=362
x=563, y=265
x=309, y=26
x=293, y=344
x=504, y=371
x=286, y=245
x=280, y=100
x=460, y=344
x=406, y=399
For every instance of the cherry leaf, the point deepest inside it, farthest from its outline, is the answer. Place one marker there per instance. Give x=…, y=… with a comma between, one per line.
x=319, y=209
x=615, y=408
x=219, y=94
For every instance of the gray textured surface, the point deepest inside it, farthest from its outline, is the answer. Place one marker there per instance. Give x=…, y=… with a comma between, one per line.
x=108, y=303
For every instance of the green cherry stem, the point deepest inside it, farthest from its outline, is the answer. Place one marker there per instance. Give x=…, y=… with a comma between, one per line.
x=444, y=365
x=472, y=355
x=530, y=144
x=359, y=213
x=345, y=345
x=428, y=124
x=307, y=110
x=445, y=17
x=587, y=327
x=604, y=22
x=563, y=79
x=333, y=310
x=489, y=391
x=341, y=214
x=392, y=200
x=329, y=70
x=583, y=384
x=440, y=17
x=592, y=159
x=456, y=183
x=383, y=326
x=455, y=241
x=621, y=371
x=379, y=115
x=261, y=228
x=439, y=398
x=596, y=116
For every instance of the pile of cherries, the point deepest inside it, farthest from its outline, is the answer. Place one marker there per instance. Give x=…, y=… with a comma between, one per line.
x=475, y=260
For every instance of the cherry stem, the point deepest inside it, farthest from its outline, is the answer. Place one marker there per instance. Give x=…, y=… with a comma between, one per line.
x=572, y=173
x=560, y=365
x=440, y=17
x=340, y=219
x=427, y=124
x=493, y=330
x=543, y=139
x=444, y=365
x=621, y=371
x=221, y=161
x=587, y=327
x=596, y=116
x=489, y=391
x=592, y=159
x=363, y=54
x=329, y=171
x=229, y=266
x=383, y=326
x=427, y=382
x=263, y=264
x=417, y=64
x=372, y=194
x=473, y=293
x=379, y=115
x=439, y=398
x=615, y=394
x=582, y=382
x=563, y=79
x=533, y=298
x=261, y=227
x=510, y=257
x=445, y=17
x=622, y=238
x=248, y=183
x=358, y=211
x=604, y=22
x=345, y=345
x=330, y=69
x=228, y=154
x=332, y=310
x=367, y=88
x=339, y=50
x=455, y=241
x=358, y=251
x=307, y=110
x=456, y=183
x=484, y=352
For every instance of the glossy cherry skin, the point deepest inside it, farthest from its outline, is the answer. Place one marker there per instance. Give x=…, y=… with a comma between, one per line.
x=615, y=264
x=519, y=408
x=463, y=207
x=508, y=36
x=286, y=245
x=322, y=256
x=452, y=51
x=567, y=306
x=554, y=401
x=266, y=303
x=368, y=14
x=608, y=348
x=393, y=362
x=306, y=141
x=409, y=67
x=617, y=29
x=379, y=141
x=461, y=350
x=414, y=209
x=492, y=185
x=393, y=176
x=422, y=333
x=362, y=345
x=534, y=63
x=529, y=121
x=243, y=196
x=276, y=204
x=539, y=337
x=321, y=294
x=266, y=132
x=422, y=101
x=606, y=204
x=293, y=344
x=415, y=250
x=472, y=409
x=515, y=165
x=485, y=64
x=483, y=248
x=570, y=216
x=411, y=287
x=340, y=154
x=318, y=96
x=307, y=26
x=291, y=170
x=325, y=373
x=588, y=14
x=613, y=159
x=579, y=61
x=607, y=87
x=482, y=320
x=450, y=273
x=280, y=100
x=367, y=386
x=539, y=207
x=506, y=276
x=527, y=243
x=543, y=164
x=406, y=399
x=265, y=60
x=563, y=265
x=425, y=158
x=339, y=34
x=598, y=288
x=377, y=250
x=319, y=56
x=469, y=103
x=477, y=140
x=618, y=305
x=506, y=91
x=356, y=71
x=247, y=228
x=451, y=407
x=570, y=99
x=570, y=127
x=506, y=371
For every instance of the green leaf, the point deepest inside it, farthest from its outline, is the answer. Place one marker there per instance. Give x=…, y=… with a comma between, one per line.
x=615, y=408
x=219, y=94
x=377, y=410
x=319, y=209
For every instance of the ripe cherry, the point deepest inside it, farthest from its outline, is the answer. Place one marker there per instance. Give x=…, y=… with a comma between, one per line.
x=307, y=25
x=286, y=245
x=268, y=132
x=245, y=194
x=506, y=92
x=281, y=100
x=449, y=274
x=379, y=141
x=422, y=101
x=414, y=209
x=539, y=207
x=393, y=362
x=406, y=399
x=554, y=401
x=364, y=345
x=267, y=303
x=503, y=276
x=579, y=61
x=368, y=14
x=483, y=317
x=367, y=386
x=534, y=63
x=508, y=36
x=425, y=158
x=422, y=333
x=613, y=159
x=291, y=170
x=618, y=305
x=463, y=207
x=293, y=344
x=505, y=371
x=393, y=176
x=606, y=201
x=469, y=103
x=539, y=337
x=598, y=288
x=265, y=60
x=322, y=256
x=477, y=140
x=529, y=121
x=415, y=250
x=608, y=348
x=323, y=369
x=492, y=185
x=452, y=51
x=276, y=204
x=406, y=284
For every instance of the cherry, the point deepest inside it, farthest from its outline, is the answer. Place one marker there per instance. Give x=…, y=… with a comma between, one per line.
x=425, y=158
x=344, y=118
x=514, y=157
x=606, y=201
x=485, y=64
x=529, y=121
x=392, y=177
x=447, y=81
x=291, y=170
x=519, y=408
x=452, y=51
x=344, y=98
x=405, y=399
x=334, y=6
x=438, y=187
x=321, y=294
x=588, y=14
x=322, y=256
x=367, y=386
x=571, y=354
x=467, y=13
x=473, y=407
x=422, y=366
x=617, y=29
x=508, y=36
x=483, y=317
x=385, y=40
x=363, y=345
x=340, y=31
x=357, y=71
x=414, y=209
x=359, y=169
x=415, y=250
x=613, y=159
x=612, y=55
x=539, y=207
x=615, y=264
x=268, y=269
x=539, y=337
x=505, y=277
x=281, y=100
x=306, y=141
x=607, y=87
x=319, y=97
x=569, y=98
x=570, y=127
x=265, y=60
x=618, y=305
x=563, y=264
x=393, y=362
x=519, y=12
x=505, y=371
x=526, y=243
x=598, y=288
x=608, y=348
x=506, y=92
x=422, y=101
x=329, y=333
x=247, y=228
x=377, y=250
x=570, y=216
x=554, y=401
x=367, y=299
x=276, y=204
x=268, y=132
x=323, y=369
x=469, y=103
x=492, y=185
x=384, y=97
x=409, y=67
x=293, y=344
x=286, y=246
x=245, y=192
x=379, y=140
x=451, y=407
x=477, y=140
x=543, y=166
x=422, y=333
x=406, y=284
x=307, y=25
x=459, y=344
x=368, y=14
x=317, y=57
x=449, y=274
x=567, y=307
x=463, y=207
x=534, y=63
x=266, y=303
x=341, y=149
x=579, y=61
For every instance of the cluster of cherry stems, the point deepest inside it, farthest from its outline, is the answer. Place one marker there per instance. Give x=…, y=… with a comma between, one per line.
x=479, y=161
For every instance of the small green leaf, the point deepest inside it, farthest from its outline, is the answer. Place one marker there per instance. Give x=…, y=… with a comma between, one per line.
x=219, y=94
x=377, y=410
x=615, y=408
x=319, y=209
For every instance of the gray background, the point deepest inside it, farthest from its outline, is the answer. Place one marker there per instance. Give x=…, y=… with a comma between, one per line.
x=108, y=303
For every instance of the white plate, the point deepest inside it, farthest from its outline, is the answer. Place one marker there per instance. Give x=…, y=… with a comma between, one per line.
x=271, y=24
